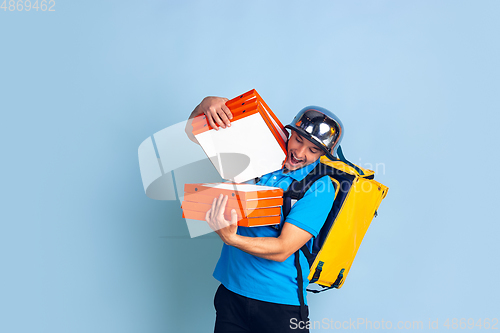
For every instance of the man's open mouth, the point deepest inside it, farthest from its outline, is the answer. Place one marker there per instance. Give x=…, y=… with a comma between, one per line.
x=295, y=160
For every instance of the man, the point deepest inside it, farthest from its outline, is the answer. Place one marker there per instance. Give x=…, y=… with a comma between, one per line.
x=259, y=289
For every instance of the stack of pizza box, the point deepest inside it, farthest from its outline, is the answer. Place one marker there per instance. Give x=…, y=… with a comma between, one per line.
x=254, y=144
x=255, y=205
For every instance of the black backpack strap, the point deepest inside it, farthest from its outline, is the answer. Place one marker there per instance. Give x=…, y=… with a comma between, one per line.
x=296, y=191
x=307, y=253
x=319, y=291
x=335, y=284
x=300, y=283
x=343, y=159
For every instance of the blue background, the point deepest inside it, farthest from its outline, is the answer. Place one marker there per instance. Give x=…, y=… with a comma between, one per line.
x=415, y=83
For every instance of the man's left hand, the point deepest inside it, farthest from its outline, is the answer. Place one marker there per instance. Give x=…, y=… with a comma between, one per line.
x=217, y=222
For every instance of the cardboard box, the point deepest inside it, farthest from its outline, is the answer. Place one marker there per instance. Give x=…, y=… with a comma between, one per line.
x=255, y=142
x=255, y=205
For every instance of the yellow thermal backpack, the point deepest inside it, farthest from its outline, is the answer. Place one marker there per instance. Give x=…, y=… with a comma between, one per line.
x=357, y=198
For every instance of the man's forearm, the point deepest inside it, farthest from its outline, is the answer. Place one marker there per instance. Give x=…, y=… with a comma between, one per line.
x=264, y=247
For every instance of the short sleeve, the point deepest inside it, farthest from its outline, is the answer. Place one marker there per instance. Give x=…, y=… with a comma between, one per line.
x=310, y=212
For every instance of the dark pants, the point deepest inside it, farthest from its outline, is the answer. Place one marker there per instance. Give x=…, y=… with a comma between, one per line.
x=236, y=313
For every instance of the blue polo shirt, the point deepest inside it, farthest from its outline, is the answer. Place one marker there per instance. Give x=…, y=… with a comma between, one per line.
x=269, y=280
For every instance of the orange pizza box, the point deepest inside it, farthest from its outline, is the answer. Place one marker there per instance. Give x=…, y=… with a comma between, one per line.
x=259, y=212
x=234, y=203
x=255, y=140
x=245, y=222
x=240, y=192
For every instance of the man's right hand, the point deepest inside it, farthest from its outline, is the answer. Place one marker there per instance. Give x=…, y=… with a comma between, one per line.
x=218, y=114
